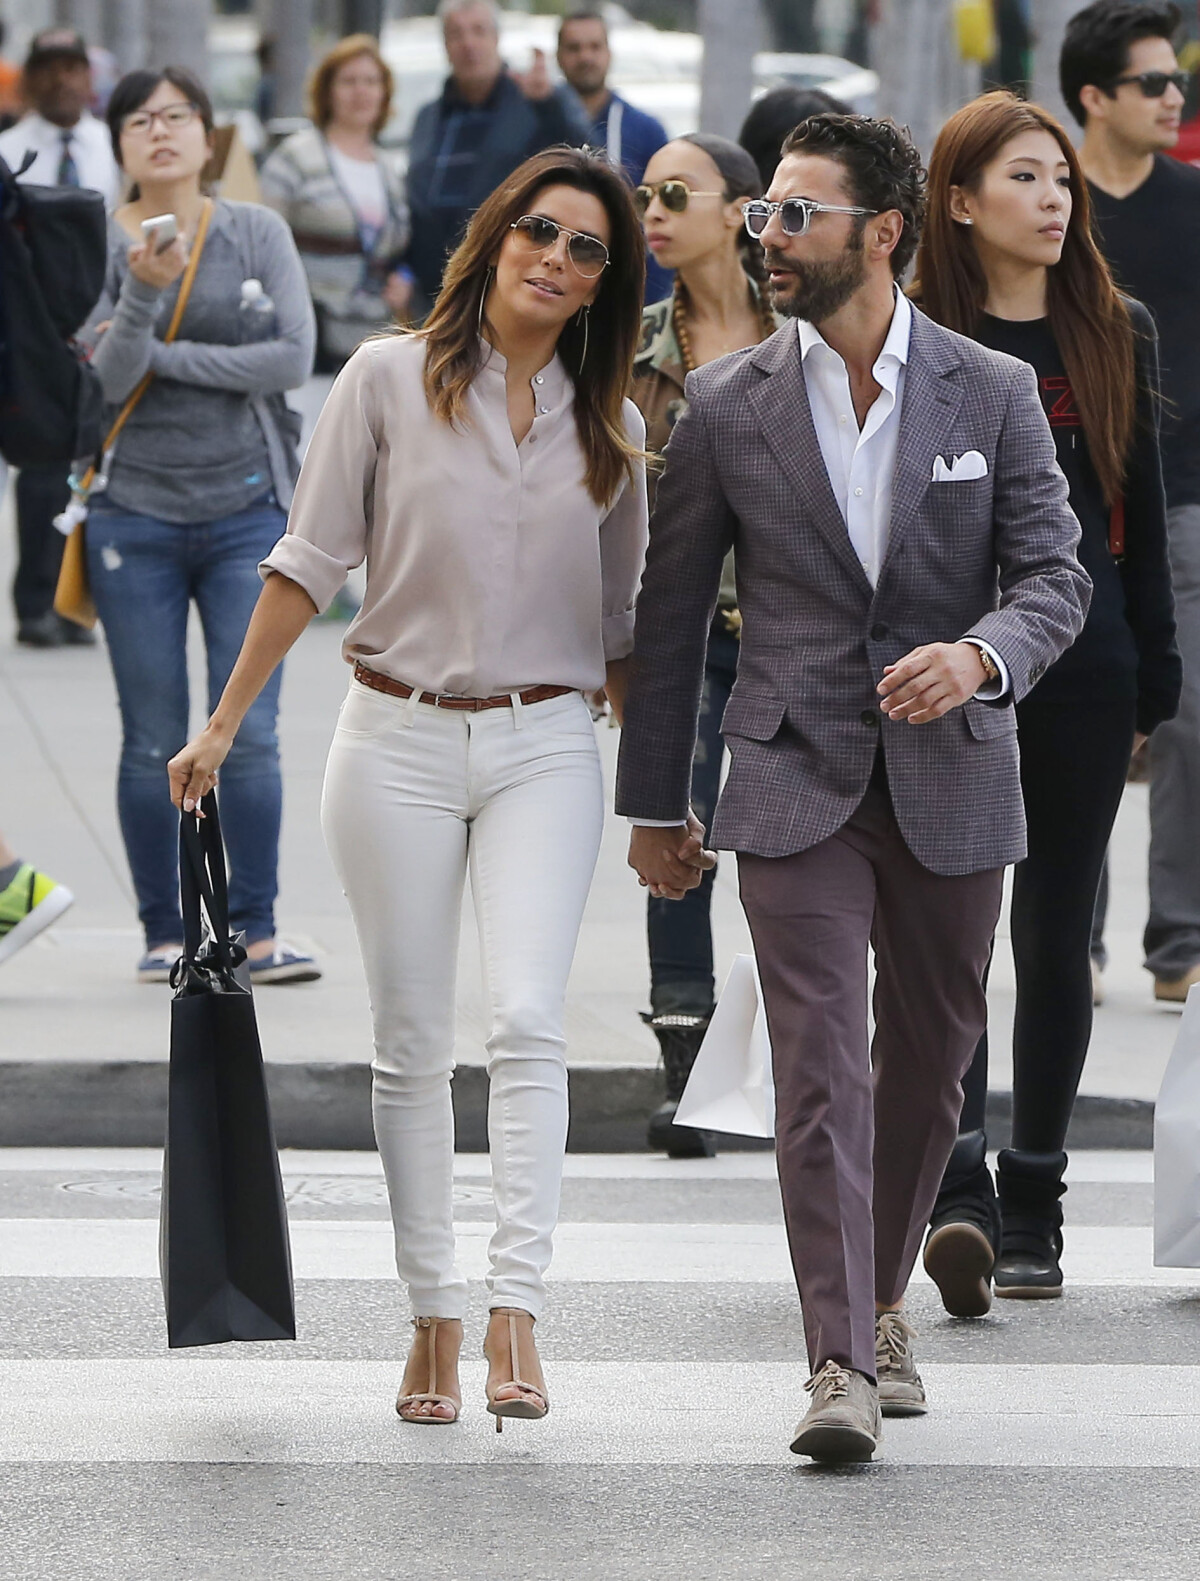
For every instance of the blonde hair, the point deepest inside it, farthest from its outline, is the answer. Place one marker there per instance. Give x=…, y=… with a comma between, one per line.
x=320, y=89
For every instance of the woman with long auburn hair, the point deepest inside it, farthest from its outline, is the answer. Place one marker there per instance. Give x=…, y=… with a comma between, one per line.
x=491, y=472
x=1007, y=257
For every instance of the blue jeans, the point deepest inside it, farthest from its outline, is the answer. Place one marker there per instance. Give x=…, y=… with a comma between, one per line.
x=680, y=931
x=144, y=575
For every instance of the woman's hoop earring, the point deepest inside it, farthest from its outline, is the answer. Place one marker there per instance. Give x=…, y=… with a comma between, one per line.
x=483, y=293
x=585, y=313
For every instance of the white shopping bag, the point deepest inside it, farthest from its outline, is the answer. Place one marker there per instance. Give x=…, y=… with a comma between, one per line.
x=1177, y=1149
x=730, y=1088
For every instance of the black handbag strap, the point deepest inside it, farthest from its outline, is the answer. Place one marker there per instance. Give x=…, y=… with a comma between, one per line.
x=203, y=883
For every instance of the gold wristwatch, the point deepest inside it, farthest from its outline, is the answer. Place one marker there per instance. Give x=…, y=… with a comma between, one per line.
x=990, y=672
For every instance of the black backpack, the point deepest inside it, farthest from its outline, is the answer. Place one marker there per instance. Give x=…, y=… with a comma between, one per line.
x=53, y=254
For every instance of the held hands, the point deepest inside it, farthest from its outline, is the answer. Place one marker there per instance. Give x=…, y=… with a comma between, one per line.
x=192, y=773
x=669, y=862
x=535, y=83
x=158, y=269
x=930, y=681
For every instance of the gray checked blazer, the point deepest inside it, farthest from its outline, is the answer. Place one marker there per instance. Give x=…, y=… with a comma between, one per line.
x=993, y=557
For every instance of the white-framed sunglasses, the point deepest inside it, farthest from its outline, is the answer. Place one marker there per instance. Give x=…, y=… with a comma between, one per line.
x=795, y=214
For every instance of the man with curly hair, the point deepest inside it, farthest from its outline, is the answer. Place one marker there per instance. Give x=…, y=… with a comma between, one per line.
x=906, y=571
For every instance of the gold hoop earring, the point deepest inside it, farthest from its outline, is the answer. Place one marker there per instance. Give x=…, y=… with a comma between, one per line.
x=585, y=313
x=483, y=294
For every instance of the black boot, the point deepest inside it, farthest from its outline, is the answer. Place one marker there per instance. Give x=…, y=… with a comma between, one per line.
x=679, y=1039
x=964, y=1230
x=1031, y=1215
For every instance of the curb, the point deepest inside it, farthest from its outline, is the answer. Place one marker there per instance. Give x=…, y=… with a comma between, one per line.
x=123, y=1103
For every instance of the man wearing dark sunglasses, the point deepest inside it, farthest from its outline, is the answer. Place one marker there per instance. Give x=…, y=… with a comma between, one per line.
x=1122, y=83
x=876, y=477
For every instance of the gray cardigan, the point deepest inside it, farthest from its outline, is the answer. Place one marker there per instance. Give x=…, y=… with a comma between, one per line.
x=212, y=433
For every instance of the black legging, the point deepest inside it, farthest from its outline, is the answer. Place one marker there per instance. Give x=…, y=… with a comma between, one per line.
x=1075, y=750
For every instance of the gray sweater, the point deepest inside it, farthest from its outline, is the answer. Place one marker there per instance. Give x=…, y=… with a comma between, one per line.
x=213, y=433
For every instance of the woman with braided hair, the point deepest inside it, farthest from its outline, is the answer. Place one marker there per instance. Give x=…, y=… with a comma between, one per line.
x=691, y=201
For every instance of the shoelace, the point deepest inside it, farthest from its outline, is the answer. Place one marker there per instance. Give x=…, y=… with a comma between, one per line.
x=892, y=1336
x=833, y=1379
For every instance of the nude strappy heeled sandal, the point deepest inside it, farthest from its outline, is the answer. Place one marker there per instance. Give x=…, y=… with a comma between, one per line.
x=431, y=1394
x=530, y=1403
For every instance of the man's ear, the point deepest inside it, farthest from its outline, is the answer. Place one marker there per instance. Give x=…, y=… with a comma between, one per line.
x=1094, y=101
x=889, y=227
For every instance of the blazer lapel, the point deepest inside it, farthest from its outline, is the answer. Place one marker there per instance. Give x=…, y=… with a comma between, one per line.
x=780, y=405
x=932, y=396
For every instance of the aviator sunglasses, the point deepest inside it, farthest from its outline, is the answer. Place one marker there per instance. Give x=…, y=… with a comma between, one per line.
x=795, y=214
x=673, y=195
x=588, y=253
x=1155, y=83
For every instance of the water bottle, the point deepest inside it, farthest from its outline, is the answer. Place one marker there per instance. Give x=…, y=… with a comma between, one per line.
x=256, y=312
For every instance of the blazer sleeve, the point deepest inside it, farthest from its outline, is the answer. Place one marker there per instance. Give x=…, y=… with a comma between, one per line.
x=1044, y=591
x=1146, y=570
x=692, y=529
x=328, y=523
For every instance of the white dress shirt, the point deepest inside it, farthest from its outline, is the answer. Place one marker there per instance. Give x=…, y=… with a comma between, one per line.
x=89, y=143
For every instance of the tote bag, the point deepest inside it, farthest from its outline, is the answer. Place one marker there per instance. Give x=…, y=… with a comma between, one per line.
x=1177, y=1149
x=224, y=1251
x=731, y=1087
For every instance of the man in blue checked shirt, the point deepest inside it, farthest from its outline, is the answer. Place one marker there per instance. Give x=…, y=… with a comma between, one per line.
x=628, y=134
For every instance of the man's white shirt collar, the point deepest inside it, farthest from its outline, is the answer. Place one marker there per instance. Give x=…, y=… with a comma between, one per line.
x=894, y=353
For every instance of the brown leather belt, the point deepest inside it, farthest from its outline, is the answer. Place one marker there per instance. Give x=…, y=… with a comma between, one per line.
x=466, y=705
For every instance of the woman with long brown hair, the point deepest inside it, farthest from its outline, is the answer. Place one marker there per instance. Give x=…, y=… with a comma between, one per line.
x=491, y=472
x=1007, y=257
x=691, y=201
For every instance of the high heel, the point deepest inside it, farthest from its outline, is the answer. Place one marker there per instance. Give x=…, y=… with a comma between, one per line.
x=431, y=1395
x=530, y=1403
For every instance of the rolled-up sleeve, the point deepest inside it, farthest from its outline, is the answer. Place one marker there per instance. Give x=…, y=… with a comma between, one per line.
x=328, y=523
x=624, y=533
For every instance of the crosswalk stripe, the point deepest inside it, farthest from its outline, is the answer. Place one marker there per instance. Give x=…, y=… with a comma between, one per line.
x=585, y=1253
x=224, y=1409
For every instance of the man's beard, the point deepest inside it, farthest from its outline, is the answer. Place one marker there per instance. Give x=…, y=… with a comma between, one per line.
x=820, y=289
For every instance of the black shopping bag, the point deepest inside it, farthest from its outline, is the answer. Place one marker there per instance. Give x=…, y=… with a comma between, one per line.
x=224, y=1254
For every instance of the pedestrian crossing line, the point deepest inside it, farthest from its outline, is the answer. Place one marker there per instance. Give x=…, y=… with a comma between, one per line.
x=197, y=1407
x=585, y=1253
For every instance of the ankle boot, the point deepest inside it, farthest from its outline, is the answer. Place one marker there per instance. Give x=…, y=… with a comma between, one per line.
x=679, y=1039
x=1031, y=1217
x=964, y=1230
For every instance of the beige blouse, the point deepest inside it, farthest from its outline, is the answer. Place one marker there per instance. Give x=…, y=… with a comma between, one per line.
x=490, y=568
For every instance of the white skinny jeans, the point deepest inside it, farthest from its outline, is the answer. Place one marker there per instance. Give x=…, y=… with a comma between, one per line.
x=415, y=798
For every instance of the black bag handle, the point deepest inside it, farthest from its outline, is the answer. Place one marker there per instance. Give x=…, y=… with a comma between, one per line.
x=203, y=882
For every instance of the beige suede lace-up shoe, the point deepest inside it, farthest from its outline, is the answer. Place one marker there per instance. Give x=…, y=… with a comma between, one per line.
x=901, y=1392
x=843, y=1421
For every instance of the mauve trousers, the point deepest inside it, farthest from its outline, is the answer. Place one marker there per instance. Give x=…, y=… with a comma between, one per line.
x=863, y=1126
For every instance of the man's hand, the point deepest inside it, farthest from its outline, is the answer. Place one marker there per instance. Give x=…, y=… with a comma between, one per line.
x=669, y=862
x=535, y=83
x=930, y=681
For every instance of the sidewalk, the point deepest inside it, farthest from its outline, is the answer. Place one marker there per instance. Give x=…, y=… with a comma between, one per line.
x=80, y=1040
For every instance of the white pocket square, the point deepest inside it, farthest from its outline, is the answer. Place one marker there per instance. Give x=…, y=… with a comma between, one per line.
x=965, y=467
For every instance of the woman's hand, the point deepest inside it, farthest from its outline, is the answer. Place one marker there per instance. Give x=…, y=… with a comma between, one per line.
x=158, y=269
x=192, y=773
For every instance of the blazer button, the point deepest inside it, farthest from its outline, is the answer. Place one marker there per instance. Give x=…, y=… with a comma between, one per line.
x=869, y=717
x=879, y=633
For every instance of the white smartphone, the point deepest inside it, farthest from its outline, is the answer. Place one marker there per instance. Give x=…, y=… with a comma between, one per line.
x=161, y=231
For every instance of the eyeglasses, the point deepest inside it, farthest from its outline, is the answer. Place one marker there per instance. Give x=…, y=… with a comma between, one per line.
x=588, y=253
x=673, y=195
x=795, y=214
x=1155, y=83
x=172, y=116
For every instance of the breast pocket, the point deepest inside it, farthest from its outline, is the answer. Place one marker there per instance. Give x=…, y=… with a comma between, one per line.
x=757, y=718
